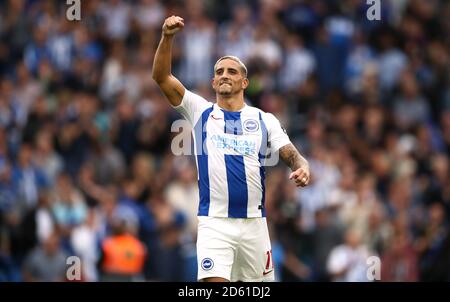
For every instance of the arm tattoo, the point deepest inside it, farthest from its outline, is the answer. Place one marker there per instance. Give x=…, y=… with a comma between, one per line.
x=290, y=155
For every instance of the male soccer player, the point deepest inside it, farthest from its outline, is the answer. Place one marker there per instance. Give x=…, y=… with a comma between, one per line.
x=230, y=138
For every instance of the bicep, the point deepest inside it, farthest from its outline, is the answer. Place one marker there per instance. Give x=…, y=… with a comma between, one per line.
x=173, y=90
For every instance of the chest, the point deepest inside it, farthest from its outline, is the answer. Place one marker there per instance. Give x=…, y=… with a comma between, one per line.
x=234, y=134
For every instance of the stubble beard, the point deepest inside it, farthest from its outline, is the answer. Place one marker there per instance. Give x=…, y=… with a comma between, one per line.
x=225, y=90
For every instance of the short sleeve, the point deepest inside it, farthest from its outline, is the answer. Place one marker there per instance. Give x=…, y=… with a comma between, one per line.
x=192, y=106
x=276, y=133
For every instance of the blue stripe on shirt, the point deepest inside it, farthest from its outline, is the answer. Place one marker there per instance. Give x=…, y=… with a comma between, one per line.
x=202, y=162
x=261, y=156
x=237, y=182
x=237, y=186
x=233, y=123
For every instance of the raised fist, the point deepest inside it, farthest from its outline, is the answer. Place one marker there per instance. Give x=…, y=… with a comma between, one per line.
x=172, y=25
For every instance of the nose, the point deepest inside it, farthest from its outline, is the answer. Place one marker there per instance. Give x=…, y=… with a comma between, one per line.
x=225, y=76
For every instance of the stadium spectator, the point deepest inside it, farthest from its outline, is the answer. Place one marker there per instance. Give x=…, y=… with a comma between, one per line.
x=122, y=254
x=47, y=262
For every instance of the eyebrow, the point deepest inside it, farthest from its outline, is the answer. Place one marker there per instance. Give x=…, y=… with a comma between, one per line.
x=229, y=68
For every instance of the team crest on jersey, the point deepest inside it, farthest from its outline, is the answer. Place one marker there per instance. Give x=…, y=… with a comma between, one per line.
x=207, y=264
x=251, y=125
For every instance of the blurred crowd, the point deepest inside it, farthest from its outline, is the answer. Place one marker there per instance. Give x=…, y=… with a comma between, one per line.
x=86, y=166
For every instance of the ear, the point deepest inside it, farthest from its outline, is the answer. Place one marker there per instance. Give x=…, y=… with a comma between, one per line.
x=213, y=84
x=245, y=83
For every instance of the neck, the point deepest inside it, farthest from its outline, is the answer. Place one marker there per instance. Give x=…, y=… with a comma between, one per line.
x=232, y=103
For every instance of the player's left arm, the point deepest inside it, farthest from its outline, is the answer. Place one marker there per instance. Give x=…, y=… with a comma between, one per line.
x=298, y=164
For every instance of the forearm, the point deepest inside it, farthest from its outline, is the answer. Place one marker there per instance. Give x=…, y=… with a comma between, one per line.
x=162, y=63
x=293, y=159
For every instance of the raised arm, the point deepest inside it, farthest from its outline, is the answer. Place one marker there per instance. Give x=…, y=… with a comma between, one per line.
x=298, y=164
x=162, y=64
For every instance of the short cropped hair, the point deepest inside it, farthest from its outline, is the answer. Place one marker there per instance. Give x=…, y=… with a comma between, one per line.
x=233, y=58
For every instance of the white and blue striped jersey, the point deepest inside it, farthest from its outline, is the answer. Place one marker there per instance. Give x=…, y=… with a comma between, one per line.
x=229, y=148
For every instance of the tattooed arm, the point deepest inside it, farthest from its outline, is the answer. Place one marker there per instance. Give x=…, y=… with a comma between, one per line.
x=298, y=164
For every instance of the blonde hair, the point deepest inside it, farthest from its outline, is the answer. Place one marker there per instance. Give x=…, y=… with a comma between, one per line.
x=233, y=58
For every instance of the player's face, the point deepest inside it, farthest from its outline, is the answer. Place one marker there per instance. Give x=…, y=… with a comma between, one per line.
x=228, y=78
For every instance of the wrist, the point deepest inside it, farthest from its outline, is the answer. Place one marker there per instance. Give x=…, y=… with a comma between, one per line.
x=167, y=35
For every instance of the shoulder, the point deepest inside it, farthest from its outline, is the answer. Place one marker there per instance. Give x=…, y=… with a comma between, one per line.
x=188, y=94
x=255, y=111
x=192, y=106
x=194, y=101
x=270, y=119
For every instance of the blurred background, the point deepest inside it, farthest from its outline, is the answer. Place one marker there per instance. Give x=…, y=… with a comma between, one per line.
x=86, y=167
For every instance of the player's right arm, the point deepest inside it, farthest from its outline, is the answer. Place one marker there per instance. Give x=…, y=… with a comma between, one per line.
x=162, y=64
